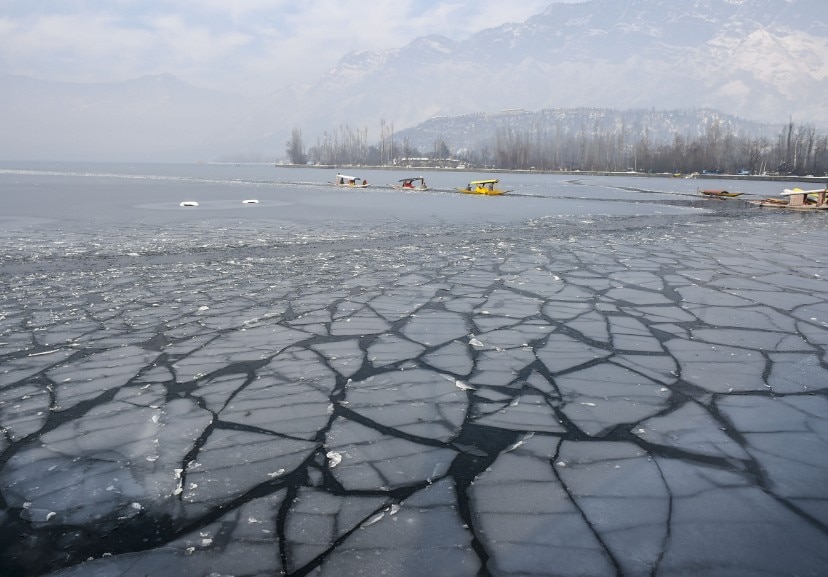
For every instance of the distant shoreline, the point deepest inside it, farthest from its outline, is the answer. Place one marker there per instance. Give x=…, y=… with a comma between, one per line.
x=765, y=177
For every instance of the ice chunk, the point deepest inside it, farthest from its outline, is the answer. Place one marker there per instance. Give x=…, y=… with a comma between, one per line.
x=511, y=304
x=23, y=410
x=252, y=344
x=796, y=373
x=693, y=429
x=759, y=318
x=718, y=368
x=434, y=328
x=454, y=357
x=400, y=302
x=637, y=297
x=388, y=349
x=526, y=520
x=234, y=462
x=345, y=357
x=362, y=321
x=562, y=352
x=317, y=519
x=603, y=396
x=501, y=367
x=297, y=409
x=416, y=402
x=771, y=426
x=98, y=373
x=533, y=412
x=613, y=483
x=425, y=533
x=375, y=461
x=719, y=520
x=632, y=335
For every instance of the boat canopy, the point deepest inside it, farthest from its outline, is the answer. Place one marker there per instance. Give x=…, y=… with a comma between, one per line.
x=411, y=179
x=346, y=177
x=792, y=191
x=490, y=181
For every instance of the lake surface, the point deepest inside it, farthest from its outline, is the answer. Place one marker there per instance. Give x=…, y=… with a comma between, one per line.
x=586, y=376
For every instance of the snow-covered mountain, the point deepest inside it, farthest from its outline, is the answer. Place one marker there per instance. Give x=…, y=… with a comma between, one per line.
x=760, y=60
x=763, y=60
x=479, y=130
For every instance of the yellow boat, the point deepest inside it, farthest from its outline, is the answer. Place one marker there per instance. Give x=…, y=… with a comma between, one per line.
x=482, y=187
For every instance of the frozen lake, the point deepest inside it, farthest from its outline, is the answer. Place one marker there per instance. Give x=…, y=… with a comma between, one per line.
x=589, y=376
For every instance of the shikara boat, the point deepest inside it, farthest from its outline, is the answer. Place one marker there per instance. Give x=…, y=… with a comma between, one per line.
x=719, y=193
x=415, y=183
x=350, y=181
x=797, y=199
x=482, y=187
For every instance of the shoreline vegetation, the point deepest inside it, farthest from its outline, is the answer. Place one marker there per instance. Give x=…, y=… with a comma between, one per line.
x=716, y=149
x=711, y=176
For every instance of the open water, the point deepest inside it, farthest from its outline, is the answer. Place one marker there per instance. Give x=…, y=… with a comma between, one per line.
x=586, y=376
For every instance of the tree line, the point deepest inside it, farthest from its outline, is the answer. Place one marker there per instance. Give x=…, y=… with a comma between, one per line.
x=796, y=150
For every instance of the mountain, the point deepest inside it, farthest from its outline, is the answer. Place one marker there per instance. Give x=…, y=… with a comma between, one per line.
x=479, y=130
x=764, y=60
x=761, y=60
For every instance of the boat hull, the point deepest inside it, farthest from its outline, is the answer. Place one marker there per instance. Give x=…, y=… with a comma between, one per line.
x=720, y=193
x=415, y=188
x=481, y=191
x=773, y=203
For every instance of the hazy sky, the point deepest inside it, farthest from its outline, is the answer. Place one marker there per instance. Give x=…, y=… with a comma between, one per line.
x=225, y=44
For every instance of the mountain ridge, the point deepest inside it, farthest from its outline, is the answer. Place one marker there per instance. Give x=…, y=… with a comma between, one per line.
x=762, y=60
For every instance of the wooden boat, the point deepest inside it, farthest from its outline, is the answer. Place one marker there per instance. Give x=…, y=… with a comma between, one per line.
x=770, y=203
x=797, y=199
x=350, y=181
x=482, y=187
x=415, y=183
x=806, y=199
x=719, y=193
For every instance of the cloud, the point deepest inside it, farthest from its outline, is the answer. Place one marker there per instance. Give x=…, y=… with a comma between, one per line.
x=225, y=43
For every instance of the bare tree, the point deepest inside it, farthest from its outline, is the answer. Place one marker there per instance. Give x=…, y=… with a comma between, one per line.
x=296, y=148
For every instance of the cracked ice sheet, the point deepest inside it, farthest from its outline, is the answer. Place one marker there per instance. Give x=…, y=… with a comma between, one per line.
x=18, y=369
x=435, y=328
x=244, y=537
x=225, y=335
x=718, y=368
x=23, y=409
x=414, y=401
x=232, y=463
x=117, y=460
x=526, y=520
x=237, y=347
x=611, y=483
x=601, y=397
x=318, y=519
x=423, y=535
x=375, y=461
x=98, y=373
x=528, y=412
x=771, y=427
x=694, y=429
x=722, y=525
